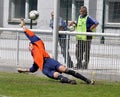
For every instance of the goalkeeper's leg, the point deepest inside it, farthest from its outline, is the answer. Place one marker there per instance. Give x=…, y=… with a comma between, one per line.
x=63, y=79
x=78, y=75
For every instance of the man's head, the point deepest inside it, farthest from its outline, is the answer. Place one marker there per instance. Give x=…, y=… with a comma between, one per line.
x=30, y=46
x=52, y=14
x=83, y=11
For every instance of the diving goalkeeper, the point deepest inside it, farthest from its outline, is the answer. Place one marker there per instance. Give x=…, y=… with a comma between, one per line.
x=50, y=67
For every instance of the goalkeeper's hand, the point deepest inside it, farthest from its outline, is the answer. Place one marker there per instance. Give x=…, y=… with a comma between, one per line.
x=22, y=22
x=21, y=70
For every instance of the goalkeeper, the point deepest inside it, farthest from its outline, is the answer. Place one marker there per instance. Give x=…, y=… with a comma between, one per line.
x=50, y=67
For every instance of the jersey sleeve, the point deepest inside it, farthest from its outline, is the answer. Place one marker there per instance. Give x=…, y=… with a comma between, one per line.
x=92, y=21
x=31, y=36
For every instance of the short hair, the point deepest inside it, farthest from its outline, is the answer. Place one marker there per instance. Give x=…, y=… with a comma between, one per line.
x=52, y=13
x=84, y=7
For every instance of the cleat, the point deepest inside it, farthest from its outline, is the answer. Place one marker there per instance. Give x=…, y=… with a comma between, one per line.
x=88, y=81
x=73, y=82
x=92, y=82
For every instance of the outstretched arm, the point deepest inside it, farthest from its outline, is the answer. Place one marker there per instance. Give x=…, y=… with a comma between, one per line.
x=21, y=70
x=32, y=69
x=30, y=35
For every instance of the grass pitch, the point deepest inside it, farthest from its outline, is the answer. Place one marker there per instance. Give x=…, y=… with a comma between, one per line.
x=27, y=85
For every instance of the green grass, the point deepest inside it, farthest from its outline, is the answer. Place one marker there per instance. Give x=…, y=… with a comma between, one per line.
x=27, y=85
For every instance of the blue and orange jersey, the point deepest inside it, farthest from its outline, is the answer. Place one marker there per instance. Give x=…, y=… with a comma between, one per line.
x=39, y=53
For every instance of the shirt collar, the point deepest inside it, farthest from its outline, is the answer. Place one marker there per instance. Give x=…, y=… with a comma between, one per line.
x=83, y=16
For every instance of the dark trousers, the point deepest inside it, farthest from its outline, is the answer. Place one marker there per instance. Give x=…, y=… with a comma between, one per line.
x=83, y=53
x=62, y=42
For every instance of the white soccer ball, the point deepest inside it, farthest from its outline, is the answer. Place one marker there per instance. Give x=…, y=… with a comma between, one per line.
x=33, y=14
x=72, y=28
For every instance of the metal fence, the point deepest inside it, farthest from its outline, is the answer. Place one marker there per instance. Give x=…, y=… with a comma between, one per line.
x=104, y=58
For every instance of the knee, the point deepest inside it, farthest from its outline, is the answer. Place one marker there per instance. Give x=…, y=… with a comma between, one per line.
x=62, y=68
x=55, y=75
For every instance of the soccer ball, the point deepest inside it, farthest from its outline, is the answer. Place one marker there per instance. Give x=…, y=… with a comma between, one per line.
x=72, y=27
x=33, y=14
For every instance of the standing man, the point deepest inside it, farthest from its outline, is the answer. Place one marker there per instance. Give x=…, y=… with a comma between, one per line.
x=62, y=38
x=84, y=24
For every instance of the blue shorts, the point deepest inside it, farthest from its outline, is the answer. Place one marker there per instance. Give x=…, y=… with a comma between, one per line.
x=50, y=66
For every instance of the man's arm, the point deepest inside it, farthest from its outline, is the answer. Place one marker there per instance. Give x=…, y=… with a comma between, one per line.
x=93, y=22
x=72, y=23
x=21, y=70
x=32, y=69
x=93, y=27
x=30, y=35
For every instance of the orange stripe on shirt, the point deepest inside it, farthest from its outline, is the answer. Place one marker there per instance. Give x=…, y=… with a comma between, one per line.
x=29, y=32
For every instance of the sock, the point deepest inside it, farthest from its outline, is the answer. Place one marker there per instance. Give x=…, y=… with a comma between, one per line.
x=63, y=79
x=77, y=75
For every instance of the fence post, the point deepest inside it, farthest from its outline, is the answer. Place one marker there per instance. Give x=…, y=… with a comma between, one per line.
x=31, y=8
x=55, y=29
x=67, y=36
x=17, y=50
x=103, y=22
